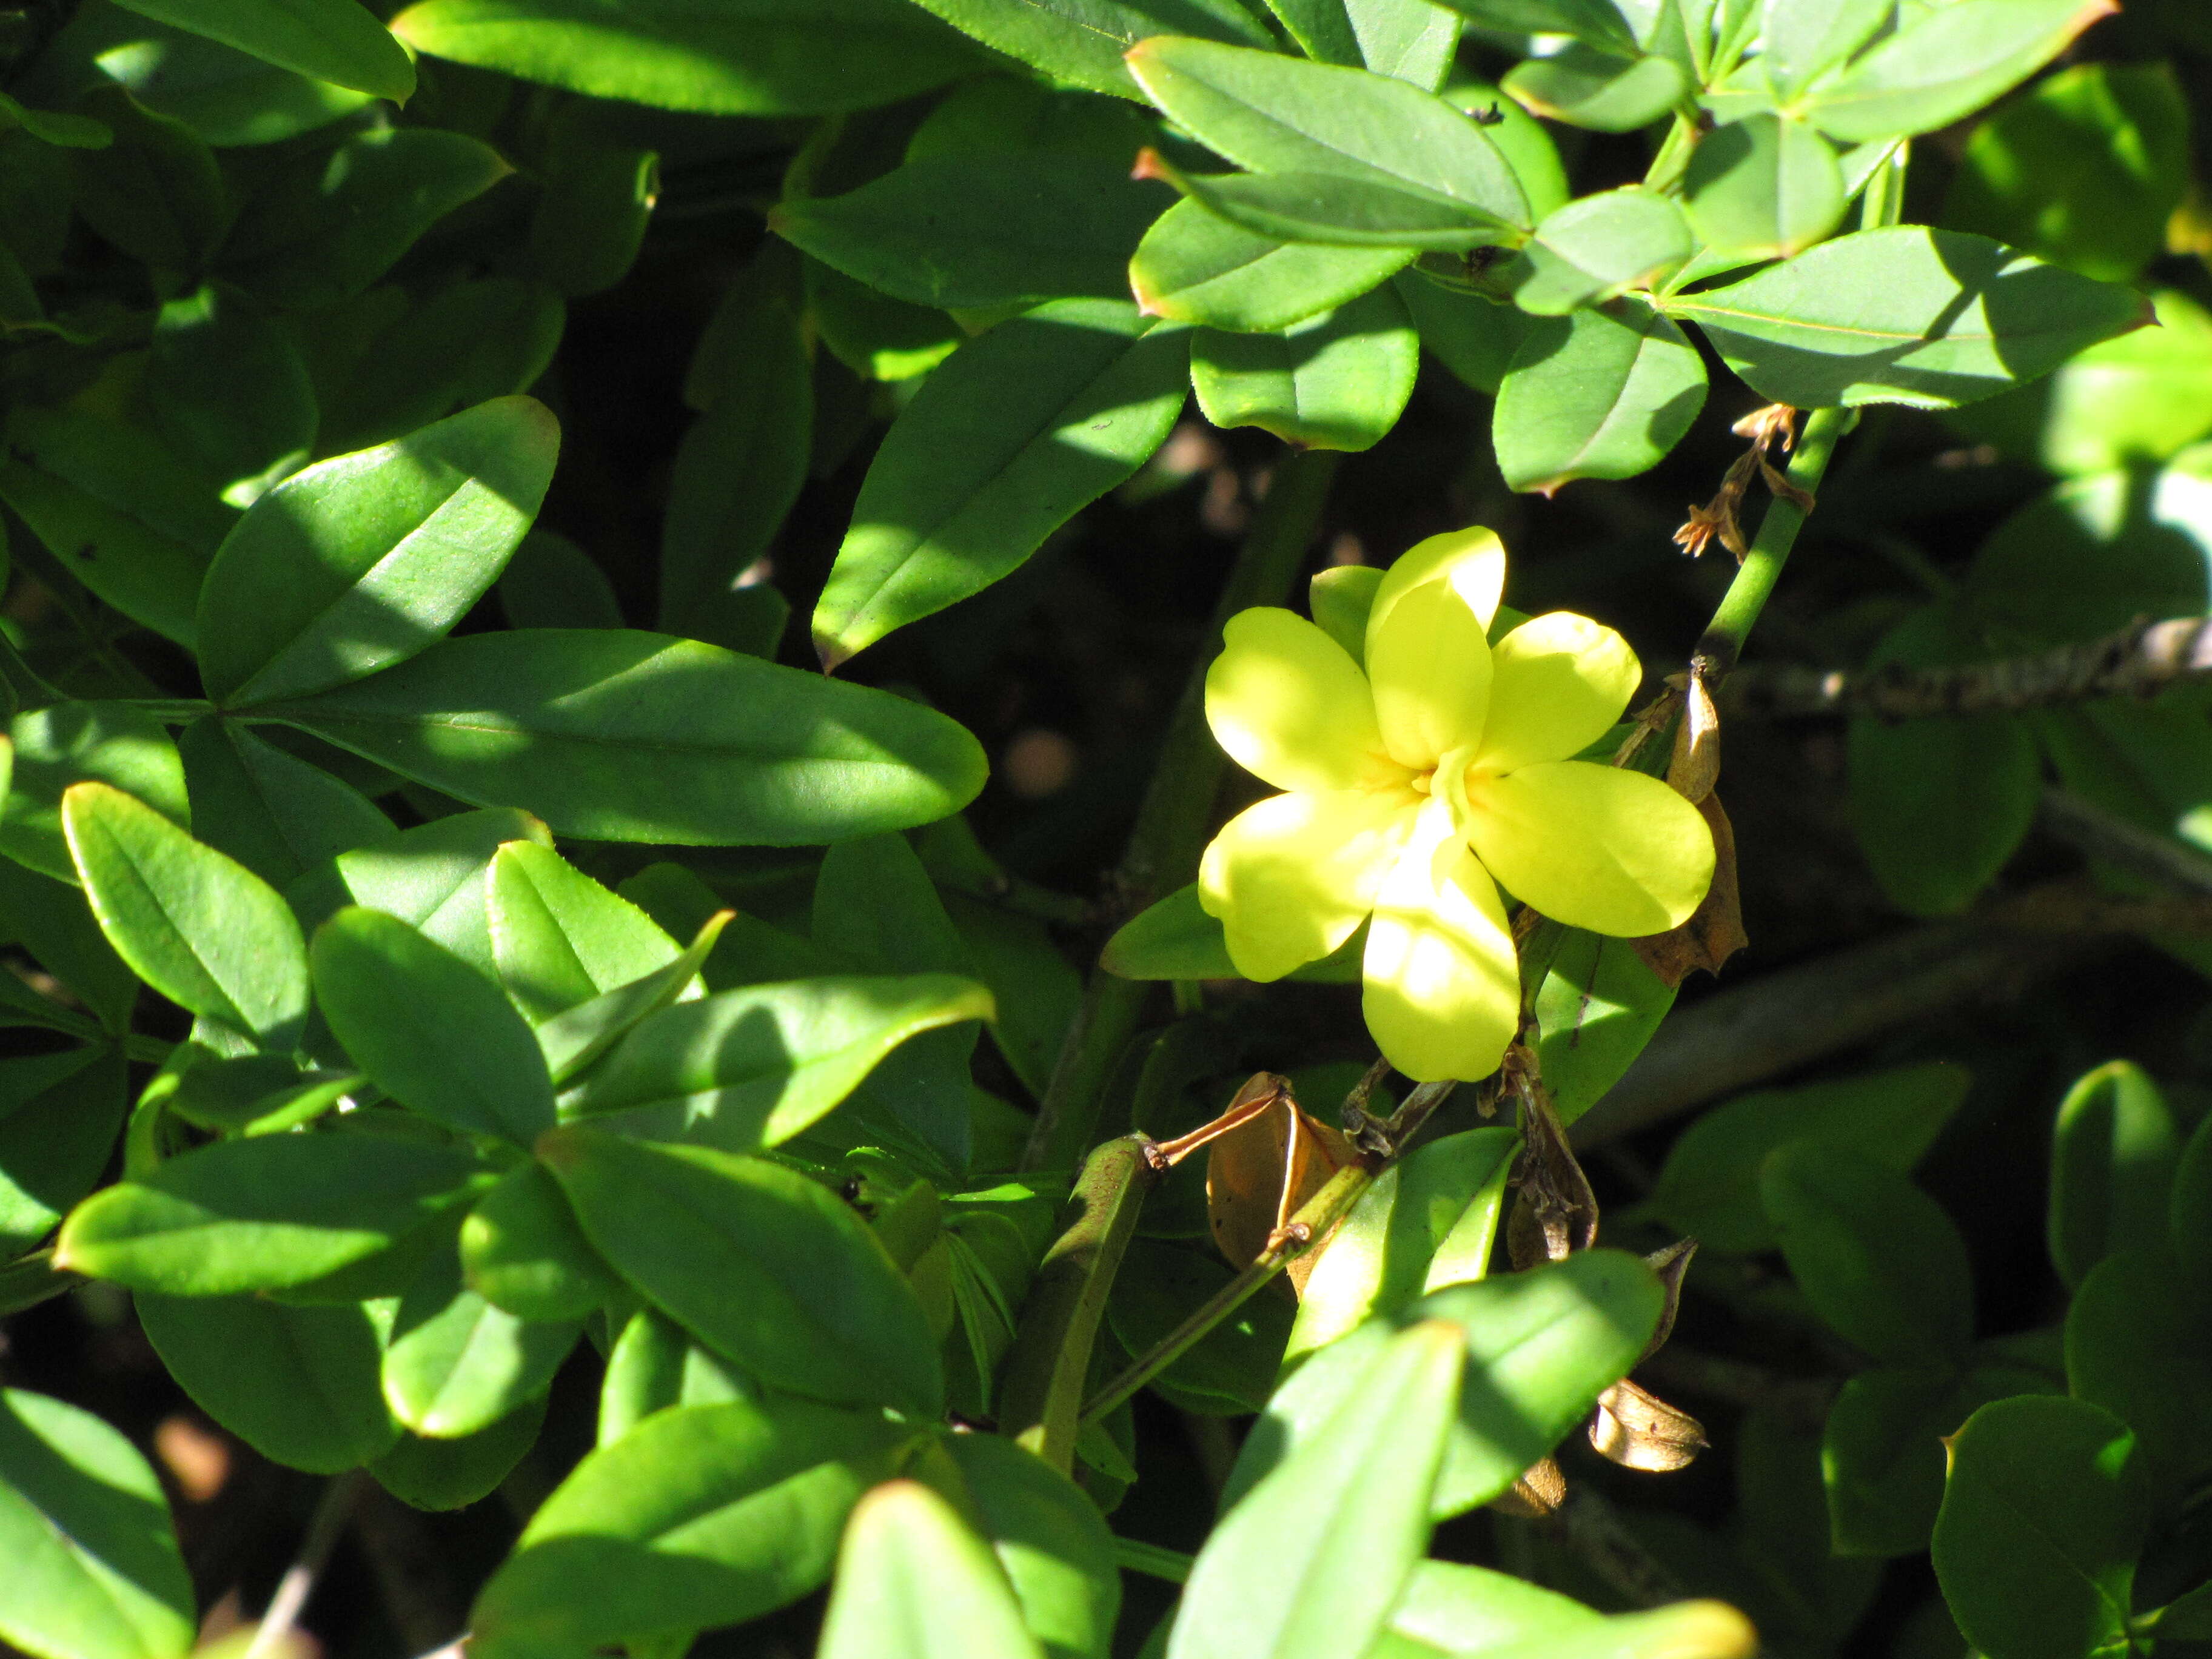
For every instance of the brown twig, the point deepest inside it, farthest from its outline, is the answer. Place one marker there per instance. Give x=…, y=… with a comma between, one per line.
x=2139, y=660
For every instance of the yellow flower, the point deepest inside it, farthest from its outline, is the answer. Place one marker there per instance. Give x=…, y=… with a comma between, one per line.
x=1421, y=783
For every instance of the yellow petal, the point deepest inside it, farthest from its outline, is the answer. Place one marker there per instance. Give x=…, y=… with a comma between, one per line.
x=1593, y=846
x=1431, y=669
x=1444, y=988
x=1557, y=683
x=1292, y=877
x=1288, y=704
x=1471, y=561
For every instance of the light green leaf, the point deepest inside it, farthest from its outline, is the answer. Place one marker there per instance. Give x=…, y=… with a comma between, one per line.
x=2043, y=1518
x=450, y=1474
x=914, y=1581
x=94, y=1568
x=1945, y=63
x=1802, y=39
x=430, y=1030
x=1598, y=394
x=1309, y=1561
x=1194, y=266
x=71, y=743
x=298, y=1385
x=266, y=1212
x=970, y=230
x=709, y=56
x=1587, y=86
x=1004, y=443
x=2113, y=1158
x=436, y=877
x=576, y=1038
x=750, y=1068
x=1050, y=1540
x=559, y=938
x=1457, y=1609
x=700, y=1515
x=761, y=1264
x=1765, y=187
x=614, y=735
x=1336, y=381
x=1175, y=939
x=327, y=40
x=1596, y=1009
x=654, y=1366
x=1332, y=210
x=522, y=1250
x=203, y=930
x=1591, y=249
x=1082, y=43
x=359, y=563
x=455, y=1364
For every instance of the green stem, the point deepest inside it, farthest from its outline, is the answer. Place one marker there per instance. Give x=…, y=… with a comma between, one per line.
x=1724, y=636
x=1177, y=814
x=172, y=711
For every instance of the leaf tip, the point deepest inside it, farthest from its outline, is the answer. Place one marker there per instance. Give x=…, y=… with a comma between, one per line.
x=1150, y=165
x=832, y=652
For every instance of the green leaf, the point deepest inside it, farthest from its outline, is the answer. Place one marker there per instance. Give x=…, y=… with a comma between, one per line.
x=559, y=938
x=436, y=877
x=1597, y=1008
x=450, y=1474
x=1175, y=939
x=2084, y=169
x=757, y=57
x=359, y=563
x=1708, y=1186
x=2139, y=1344
x=1593, y=249
x=1882, y=1455
x=576, y=1037
x=94, y=1568
x=205, y=932
x=1049, y=1538
x=56, y=1137
x=229, y=391
x=2112, y=1159
x=455, y=1364
x=1939, y=804
x=266, y=1212
x=1227, y=1372
x=614, y=735
x=1587, y=86
x=1946, y=63
x=748, y=1069
x=1336, y=381
x=1082, y=43
x=1541, y=1346
x=1473, y=336
x=58, y=128
x=877, y=337
x=737, y=471
x=1599, y=394
x=968, y=229
x=2192, y=1212
x=1765, y=186
x=761, y=1264
x=155, y=192
x=430, y=1031
x=51, y=919
x=1034, y=989
x=653, y=1366
x=254, y=1094
x=522, y=1250
x=1270, y=113
x=277, y=814
x=1005, y=441
x=550, y=582
x=467, y=345
x=1876, y=1256
x=1931, y=318
x=298, y=1385
x=2043, y=1518
x=914, y=1581
x=700, y=1515
x=333, y=233
x=327, y=40
x=1332, y=208
x=1458, y=1609
x=1194, y=266
x=1385, y=1251
x=593, y=217
x=1309, y=1560
x=71, y=743
x=1802, y=39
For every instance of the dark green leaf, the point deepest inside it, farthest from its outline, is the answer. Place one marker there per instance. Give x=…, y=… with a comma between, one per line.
x=266, y=1212
x=968, y=229
x=615, y=735
x=700, y=1515
x=1050, y=1538
x=2139, y=1344
x=1175, y=939
x=1194, y=266
x=1599, y=394
x=467, y=345
x=759, y=57
x=155, y=192
x=328, y=39
x=1876, y=1256
x=1333, y=209
x=2113, y=1158
x=1473, y=336
x=1082, y=43
x=1932, y=318
x=94, y=1568
x=430, y=1030
x=436, y=877
x=205, y=932
x=550, y=582
x=241, y=1095
x=56, y=1138
x=229, y=391
x=72, y=743
x=1591, y=249
x=450, y=1474
x=1005, y=443
x=2043, y=1518
x=522, y=1250
x=1336, y=381
x=1764, y=186
x=590, y=223
x=1230, y=1369
x=761, y=1264
x=359, y=563
x=2192, y=1212
x=298, y=1385
x=275, y=813
x=914, y=1581
x=455, y=1364
x=51, y=919
x=2096, y=553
